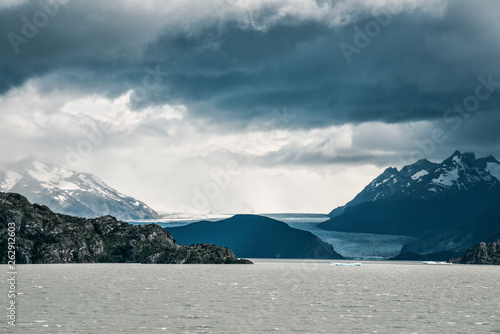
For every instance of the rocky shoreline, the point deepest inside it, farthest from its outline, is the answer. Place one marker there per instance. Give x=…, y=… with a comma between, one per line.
x=482, y=253
x=42, y=236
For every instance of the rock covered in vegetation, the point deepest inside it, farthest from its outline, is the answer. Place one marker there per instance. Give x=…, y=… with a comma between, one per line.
x=42, y=236
x=481, y=254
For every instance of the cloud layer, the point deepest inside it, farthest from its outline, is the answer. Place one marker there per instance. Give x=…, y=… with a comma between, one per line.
x=291, y=90
x=235, y=62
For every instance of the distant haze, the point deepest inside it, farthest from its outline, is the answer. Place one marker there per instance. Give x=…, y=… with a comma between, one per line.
x=247, y=106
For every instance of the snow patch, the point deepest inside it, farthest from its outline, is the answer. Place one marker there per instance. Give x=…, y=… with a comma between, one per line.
x=446, y=179
x=66, y=185
x=61, y=199
x=11, y=178
x=41, y=172
x=494, y=169
x=384, y=181
x=419, y=175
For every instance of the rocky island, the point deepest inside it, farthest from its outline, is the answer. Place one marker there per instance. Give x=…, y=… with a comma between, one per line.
x=482, y=253
x=42, y=236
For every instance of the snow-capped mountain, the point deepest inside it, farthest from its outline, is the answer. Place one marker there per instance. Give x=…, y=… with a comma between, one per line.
x=460, y=173
x=422, y=200
x=70, y=192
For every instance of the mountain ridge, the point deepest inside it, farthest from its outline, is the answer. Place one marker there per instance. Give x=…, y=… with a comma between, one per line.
x=70, y=192
x=441, y=204
x=430, y=180
x=253, y=236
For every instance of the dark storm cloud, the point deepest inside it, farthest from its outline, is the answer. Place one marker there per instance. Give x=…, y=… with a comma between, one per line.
x=414, y=66
x=314, y=158
x=82, y=44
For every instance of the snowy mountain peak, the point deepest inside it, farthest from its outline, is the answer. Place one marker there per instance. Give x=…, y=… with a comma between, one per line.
x=426, y=180
x=469, y=156
x=69, y=192
x=490, y=158
x=458, y=158
x=48, y=174
x=464, y=171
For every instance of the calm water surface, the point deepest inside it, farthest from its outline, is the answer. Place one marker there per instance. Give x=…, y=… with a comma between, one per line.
x=271, y=296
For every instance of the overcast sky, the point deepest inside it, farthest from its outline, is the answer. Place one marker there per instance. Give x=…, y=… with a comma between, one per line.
x=247, y=105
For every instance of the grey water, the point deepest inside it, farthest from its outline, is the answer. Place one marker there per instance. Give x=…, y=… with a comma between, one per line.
x=182, y=219
x=179, y=219
x=358, y=245
x=271, y=296
x=350, y=245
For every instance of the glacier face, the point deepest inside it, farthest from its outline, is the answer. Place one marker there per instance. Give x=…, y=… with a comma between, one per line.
x=70, y=192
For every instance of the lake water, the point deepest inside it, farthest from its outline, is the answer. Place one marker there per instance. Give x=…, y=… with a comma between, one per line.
x=350, y=245
x=271, y=296
x=358, y=245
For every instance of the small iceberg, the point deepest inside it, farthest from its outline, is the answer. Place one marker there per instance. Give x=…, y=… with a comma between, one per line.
x=433, y=262
x=357, y=264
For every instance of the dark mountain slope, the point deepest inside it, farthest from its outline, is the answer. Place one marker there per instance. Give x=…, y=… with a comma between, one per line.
x=256, y=237
x=422, y=200
x=483, y=228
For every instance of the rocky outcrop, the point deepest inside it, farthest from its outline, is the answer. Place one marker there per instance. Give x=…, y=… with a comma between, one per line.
x=201, y=253
x=42, y=236
x=484, y=227
x=481, y=254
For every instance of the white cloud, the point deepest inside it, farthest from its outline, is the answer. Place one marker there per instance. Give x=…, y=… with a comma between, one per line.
x=11, y=3
x=165, y=153
x=163, y=156
x=192, y=15
x=115, y=115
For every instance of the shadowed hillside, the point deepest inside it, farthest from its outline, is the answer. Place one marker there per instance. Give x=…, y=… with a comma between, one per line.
x=256, y=237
